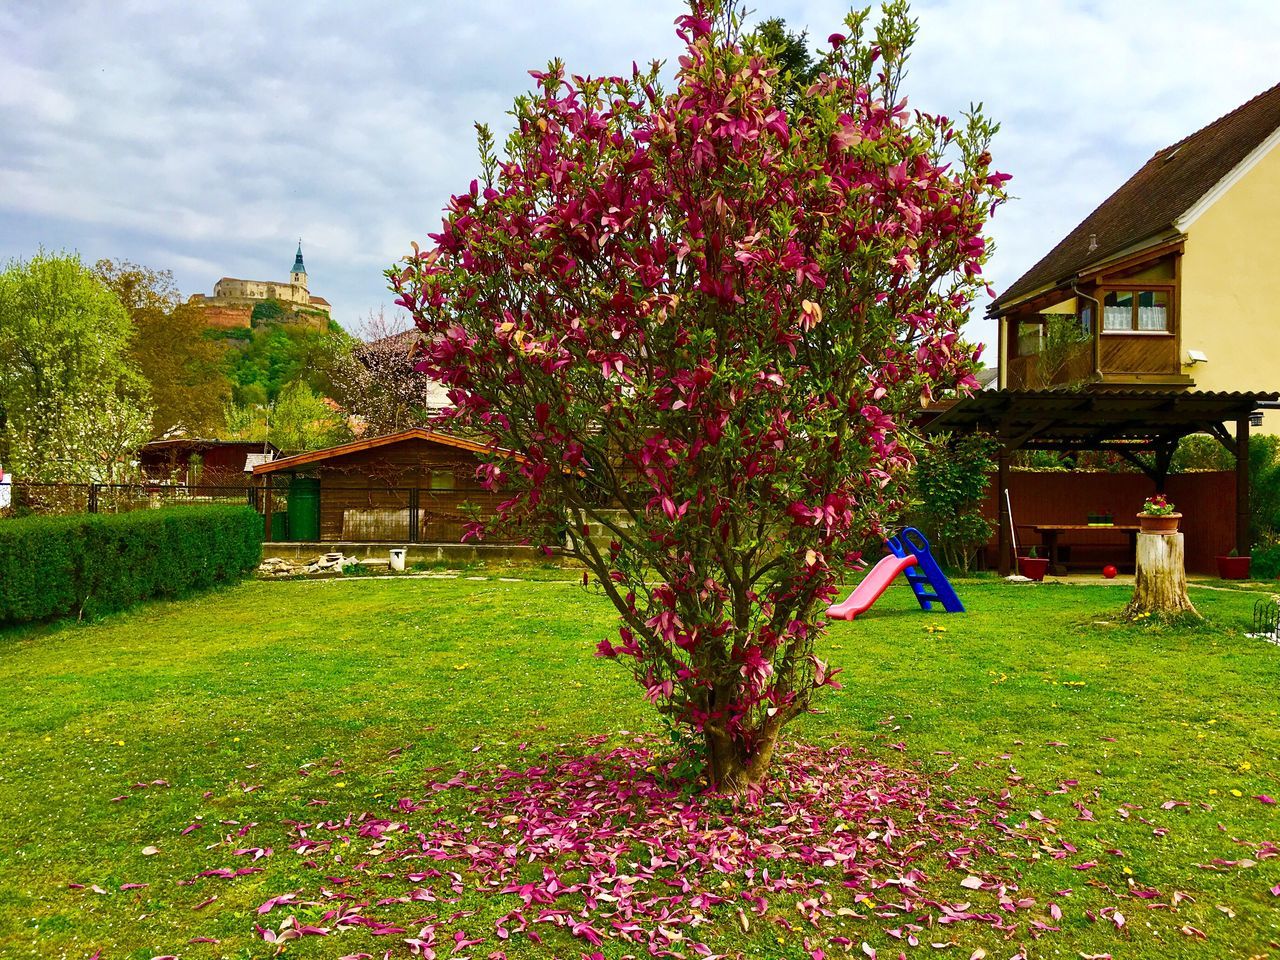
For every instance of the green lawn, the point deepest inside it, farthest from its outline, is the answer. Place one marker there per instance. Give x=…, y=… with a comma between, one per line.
x=251, y=702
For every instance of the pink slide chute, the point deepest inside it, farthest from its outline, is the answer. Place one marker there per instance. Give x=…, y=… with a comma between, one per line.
x=873, y=584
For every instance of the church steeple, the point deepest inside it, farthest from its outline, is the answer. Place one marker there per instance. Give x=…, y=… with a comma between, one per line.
x=299, y=272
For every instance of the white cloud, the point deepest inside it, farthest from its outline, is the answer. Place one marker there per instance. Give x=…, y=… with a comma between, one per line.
x=207, y=138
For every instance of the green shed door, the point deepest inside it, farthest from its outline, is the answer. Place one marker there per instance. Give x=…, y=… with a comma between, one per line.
x=279, y=527
x=304, y=509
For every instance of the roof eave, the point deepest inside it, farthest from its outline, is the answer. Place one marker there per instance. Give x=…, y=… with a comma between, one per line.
x=1165, y=236
x=1234, y=176
x=300, y=460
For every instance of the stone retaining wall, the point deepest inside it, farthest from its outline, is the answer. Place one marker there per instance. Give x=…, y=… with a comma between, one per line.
x=451, y=553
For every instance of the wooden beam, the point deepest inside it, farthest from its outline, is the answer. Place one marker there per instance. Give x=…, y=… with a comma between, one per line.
x=1016, y=442
x=1242, y=487
x=1001, y=353
x=1152, y=473
x=1164, y=458
x=1133, y=260
x=1222, y=435
x=1003, y=562
x=267, y=507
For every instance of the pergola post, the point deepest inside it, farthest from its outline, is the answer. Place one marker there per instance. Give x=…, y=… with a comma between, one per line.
x=1243, y=508
x=266, y=510
x=1004, y=563
x=1151, y=421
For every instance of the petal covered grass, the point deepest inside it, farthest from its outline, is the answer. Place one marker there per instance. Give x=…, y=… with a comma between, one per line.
x=442, y=767
x=613, y=845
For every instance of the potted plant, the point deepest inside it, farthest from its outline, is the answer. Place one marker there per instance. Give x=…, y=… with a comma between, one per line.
x=1158, y=516
x=1032, y=566
x=1233, y=566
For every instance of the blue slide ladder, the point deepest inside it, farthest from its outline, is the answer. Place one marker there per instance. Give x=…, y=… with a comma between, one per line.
x=927, y=580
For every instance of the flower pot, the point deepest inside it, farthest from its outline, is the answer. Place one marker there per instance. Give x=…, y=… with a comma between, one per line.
x=1233, y=568
x=1165, y=526
x=1033, y=568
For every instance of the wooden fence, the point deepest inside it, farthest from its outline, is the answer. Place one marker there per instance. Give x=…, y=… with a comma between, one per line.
x=1207, y=502
x=64, y=498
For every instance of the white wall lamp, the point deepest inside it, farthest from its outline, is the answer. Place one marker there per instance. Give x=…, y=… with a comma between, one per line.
x=1195, y=356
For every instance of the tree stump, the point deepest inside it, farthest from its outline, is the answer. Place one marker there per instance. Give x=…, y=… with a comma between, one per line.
x=1160, y=585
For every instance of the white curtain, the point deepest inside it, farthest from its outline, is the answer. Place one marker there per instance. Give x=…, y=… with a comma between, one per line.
x=1117, y=318
x=1152, y=318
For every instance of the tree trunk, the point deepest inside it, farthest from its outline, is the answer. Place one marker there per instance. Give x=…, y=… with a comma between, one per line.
x=1160, y=585
x=731, y=769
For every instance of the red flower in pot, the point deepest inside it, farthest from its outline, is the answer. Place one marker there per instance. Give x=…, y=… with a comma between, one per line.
x=1158, y=516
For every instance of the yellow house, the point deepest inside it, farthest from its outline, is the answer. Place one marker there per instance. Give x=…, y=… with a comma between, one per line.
x=1171, y=284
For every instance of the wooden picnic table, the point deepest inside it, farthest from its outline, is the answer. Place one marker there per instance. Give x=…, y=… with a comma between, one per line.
x=1050, y=532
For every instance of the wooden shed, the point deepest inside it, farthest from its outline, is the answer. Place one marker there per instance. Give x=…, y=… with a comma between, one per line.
x=415, y=486
x=194, y=460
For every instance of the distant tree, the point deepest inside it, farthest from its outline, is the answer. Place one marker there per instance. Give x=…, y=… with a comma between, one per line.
x=73, y=407
x=268, y=311
x=948, y=485
x=790, y=54
x=245, y=421
x=1203, y=452
x=182, y=367
x=276, y=355
x=302, y=420
x=1064, y=339
x=375, y=378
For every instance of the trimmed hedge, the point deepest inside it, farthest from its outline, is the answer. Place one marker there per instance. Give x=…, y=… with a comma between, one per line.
x=92, y=564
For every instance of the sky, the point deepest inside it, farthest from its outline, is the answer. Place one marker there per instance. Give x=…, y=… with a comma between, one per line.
x=208, y=138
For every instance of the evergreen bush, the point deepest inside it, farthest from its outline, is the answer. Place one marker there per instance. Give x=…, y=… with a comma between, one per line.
x=91, y=564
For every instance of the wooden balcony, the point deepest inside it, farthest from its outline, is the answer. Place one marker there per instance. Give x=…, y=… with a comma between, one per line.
x=1124, y=360
x=1038, y=372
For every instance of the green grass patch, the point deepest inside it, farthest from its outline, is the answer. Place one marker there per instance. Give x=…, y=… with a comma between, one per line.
x=251, y=702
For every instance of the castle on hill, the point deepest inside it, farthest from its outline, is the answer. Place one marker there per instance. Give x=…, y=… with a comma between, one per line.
x=233, y=299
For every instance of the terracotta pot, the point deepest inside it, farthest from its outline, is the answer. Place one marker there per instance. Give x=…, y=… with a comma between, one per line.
x=1033, y=568
x=1164, y=526
x=1233, y=568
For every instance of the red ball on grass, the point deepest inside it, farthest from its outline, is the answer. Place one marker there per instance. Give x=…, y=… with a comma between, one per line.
x=1109, y=571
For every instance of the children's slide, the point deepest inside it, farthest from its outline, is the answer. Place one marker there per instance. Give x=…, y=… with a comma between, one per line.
x=909, y=555
x=873, y=584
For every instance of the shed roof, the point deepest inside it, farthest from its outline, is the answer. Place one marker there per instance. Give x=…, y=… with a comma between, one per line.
x=1148, y=206
x=358, y=446
x=201, y=443
x=1135, y=420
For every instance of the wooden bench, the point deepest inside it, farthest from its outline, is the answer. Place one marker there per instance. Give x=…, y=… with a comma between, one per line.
x=1051, y=534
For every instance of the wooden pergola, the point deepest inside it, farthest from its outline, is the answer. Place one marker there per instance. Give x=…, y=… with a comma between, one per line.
x=1142, y=426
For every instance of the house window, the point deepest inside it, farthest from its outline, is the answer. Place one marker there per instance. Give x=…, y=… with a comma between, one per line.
x=1142, y=311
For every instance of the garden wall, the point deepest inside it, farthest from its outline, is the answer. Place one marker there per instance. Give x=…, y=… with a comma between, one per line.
x=89, y=564
x=1207, y=502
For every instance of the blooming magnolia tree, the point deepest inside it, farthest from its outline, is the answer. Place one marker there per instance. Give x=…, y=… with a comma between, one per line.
x=702, y=320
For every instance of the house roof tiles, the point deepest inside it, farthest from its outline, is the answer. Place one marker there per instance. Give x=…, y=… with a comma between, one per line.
x=1148, y=204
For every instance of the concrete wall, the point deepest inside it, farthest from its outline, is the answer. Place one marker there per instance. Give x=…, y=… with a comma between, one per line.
x=1231, y=287
x=453, y=553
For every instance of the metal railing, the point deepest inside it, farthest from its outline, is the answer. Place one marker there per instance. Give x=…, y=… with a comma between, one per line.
x=377, y=514
x=373, y=514
x=65, y=498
